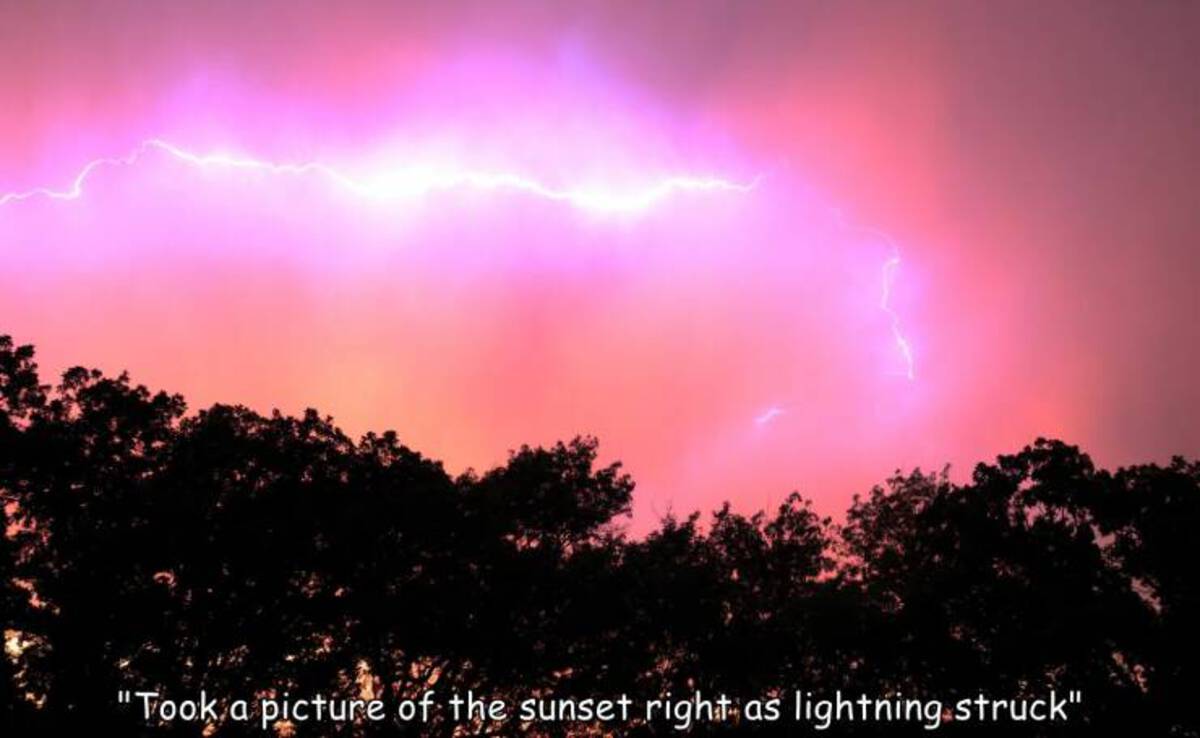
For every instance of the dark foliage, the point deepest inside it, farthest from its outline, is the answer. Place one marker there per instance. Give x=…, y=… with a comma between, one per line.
x=146, y=548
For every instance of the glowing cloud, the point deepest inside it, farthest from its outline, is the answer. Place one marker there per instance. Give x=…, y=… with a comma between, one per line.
x=414, y=182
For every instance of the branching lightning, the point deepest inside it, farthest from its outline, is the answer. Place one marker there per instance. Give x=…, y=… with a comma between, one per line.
x=416, y=182
x=412, y=182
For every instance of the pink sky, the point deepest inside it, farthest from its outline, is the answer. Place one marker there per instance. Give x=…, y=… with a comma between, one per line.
x=1034, y=163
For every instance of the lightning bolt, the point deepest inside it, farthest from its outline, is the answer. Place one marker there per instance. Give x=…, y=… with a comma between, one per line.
x=415, y=182
x=885, y=304
x=890, y=267
x=412, y=182
x=768, y=415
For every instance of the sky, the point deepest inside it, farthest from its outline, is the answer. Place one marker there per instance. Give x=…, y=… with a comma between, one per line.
x=753, y=247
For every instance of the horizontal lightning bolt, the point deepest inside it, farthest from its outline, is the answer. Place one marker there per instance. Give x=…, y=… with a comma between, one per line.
x=414, y=182
x=407, y=182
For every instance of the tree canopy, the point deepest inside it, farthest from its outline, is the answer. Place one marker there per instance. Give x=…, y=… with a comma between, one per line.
x=150, y=548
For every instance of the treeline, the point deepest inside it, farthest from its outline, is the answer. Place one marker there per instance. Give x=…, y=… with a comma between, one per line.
x=147, y=548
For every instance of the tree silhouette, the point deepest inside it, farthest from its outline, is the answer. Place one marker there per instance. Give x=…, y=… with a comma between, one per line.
x=247, y=555
x=1001, y=585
